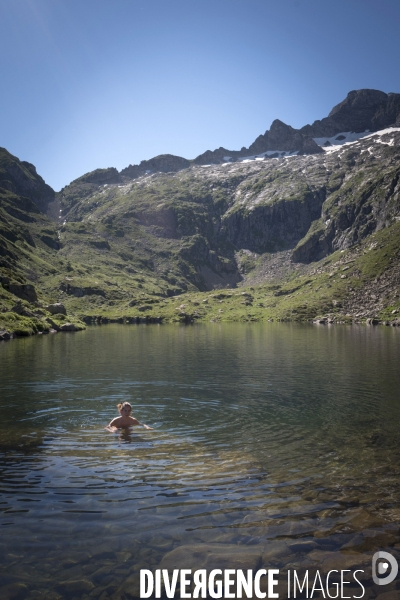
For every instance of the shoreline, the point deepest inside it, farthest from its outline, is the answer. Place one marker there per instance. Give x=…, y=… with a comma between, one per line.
x=7, y=335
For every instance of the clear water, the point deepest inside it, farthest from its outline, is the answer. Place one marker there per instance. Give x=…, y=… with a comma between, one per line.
x=274, y=445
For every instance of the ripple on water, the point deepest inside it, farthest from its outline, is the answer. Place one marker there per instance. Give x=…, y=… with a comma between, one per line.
x=274, y=445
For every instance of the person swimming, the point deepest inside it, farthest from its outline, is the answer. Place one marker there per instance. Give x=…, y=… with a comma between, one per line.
x=125, y=420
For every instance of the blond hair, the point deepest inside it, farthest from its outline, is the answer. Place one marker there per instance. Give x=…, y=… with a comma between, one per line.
x=123, y=404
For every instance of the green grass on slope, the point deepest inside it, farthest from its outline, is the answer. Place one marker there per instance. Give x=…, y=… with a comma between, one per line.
x=143, y=249
x=320, y=293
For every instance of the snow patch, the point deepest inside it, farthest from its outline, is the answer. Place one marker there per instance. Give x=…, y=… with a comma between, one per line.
x=383, y=131
x=268, y=153
x=349, y=137
x=340, y=138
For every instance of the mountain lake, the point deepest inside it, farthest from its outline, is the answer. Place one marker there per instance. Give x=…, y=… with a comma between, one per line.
x=275, y=445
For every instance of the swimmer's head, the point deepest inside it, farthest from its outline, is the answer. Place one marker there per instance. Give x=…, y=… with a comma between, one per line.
x=124, y=408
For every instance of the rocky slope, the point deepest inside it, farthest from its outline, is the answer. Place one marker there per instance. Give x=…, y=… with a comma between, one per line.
x=29, y=251
x=20, y=177
x=312, y=233
x=224, y=225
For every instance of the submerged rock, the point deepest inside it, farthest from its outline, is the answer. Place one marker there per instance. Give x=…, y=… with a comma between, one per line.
x=14, y=591
x=71, y=588
x=338, y=560
x=213, y=556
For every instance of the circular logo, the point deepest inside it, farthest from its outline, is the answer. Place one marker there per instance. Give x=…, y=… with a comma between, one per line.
x=381, y=561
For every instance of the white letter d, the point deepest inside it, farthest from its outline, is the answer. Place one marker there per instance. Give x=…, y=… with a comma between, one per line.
x=146, y=574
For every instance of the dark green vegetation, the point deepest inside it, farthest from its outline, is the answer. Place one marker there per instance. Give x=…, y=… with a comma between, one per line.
x=29, y=251
x=305, y=237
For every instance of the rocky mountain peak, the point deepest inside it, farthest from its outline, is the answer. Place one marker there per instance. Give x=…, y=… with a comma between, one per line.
x=30, y=167
x=280, y=136
x=360, y=100
x=163, y=163
x=278, y=126
x=101, y=176
x=361, y=110
x=20, y=177
x=283, y=138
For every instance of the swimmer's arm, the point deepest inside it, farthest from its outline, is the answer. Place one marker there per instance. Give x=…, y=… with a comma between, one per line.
x=113, y=425
x=136, y=422
x=112, y=429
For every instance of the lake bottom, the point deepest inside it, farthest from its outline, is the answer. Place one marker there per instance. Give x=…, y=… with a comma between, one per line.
x=274, y=446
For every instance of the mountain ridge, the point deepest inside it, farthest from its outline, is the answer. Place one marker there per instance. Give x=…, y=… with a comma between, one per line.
x=364, y=110
x=305, y=235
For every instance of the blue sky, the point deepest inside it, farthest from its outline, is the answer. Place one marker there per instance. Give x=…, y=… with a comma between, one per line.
x=100, y=83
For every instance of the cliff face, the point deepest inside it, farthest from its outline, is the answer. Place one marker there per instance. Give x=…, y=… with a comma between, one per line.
x=275, y=227
x=312, y=205
x=21, y=178
x=366, y=199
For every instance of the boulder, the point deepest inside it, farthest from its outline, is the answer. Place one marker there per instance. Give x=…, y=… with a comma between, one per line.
x=68, y=327
x=54, y=325
x=24, y=291
x=20, y=309
x=372, y=321
x=56, y=309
